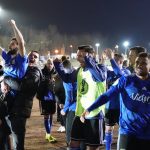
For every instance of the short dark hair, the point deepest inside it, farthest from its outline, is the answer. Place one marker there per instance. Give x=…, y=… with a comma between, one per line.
x=125, y=63
x=14, y=39
x=144, y=54
x=86, y=48
x=119, y=56
x=63, y=58
x=34, y=51
x=138, y=49
x=66, y=63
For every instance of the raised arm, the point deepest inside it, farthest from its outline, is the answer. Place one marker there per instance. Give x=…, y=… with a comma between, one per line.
x=19, y=38
x=58, y=67
x=98, y=71
x=68, y=78
x=117, y=70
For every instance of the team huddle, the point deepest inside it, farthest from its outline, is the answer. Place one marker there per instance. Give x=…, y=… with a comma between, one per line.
x=96, y=97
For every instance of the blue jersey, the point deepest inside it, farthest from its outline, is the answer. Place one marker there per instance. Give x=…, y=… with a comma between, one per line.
x=15, y=67
x=98, y=71
x=70, y=96
x=114, y=102
x=112, y=77
x=70, y=86
x=134, y=105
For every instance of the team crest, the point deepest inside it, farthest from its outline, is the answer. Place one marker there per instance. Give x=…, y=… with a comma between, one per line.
x=83, y=87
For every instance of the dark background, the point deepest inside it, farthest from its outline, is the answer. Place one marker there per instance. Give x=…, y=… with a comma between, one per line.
x=115, y=20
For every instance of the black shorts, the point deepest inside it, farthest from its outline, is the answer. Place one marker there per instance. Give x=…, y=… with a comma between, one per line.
x=111, y=116
x=47, y=107
x=91, y=132
x=132, y=143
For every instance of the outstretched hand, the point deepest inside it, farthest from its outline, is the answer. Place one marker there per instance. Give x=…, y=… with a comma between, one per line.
x=82, y=117
x=62, y=112
x=109, y=53
x=12, y=22
x=1, y=48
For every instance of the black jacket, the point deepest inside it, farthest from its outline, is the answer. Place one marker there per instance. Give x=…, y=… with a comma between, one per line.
x=24, y=99
x=3, y=113
x=47, y=84
x=59, y=90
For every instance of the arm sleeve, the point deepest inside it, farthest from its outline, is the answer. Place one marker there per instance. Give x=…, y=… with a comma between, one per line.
x=4, y=55
x=66, y=106
x=98, y=71
x=112, y=92
x=68, y=78
x=59, y=70
x=117, y=70
x=31, y=81
x=22, y=65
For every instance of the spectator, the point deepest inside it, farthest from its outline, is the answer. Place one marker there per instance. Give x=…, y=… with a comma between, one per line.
x=47, y=98
x=22, y=106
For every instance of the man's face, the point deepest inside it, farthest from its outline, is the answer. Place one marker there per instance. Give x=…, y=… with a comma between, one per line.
x=49, y=65
x=118, y=60
x=132, y=57
x=142, y=66
x=33, y=58
x=13, y=44
x=80, y=57
x=13, y=47
x=68, y=69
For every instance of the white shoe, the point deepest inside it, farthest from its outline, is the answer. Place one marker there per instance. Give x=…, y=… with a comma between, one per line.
x=59, y=129
x=63, y=129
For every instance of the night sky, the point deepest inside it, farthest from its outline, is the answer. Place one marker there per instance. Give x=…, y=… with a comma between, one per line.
x=118, y=20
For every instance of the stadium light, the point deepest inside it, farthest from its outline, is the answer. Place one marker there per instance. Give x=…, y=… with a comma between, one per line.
x=97, y=46
x=0, y=9
x=97, y=55
x=126, y=44
x=56, y=51
x=117, y=47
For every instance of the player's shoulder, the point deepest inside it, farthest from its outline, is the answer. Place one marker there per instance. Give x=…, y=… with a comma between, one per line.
x=127, y=78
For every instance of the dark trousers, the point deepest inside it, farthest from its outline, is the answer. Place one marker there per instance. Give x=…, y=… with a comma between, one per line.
x=129, y=142
x=19, y=129
x=2, y=139
x=69, y=120
x=60, y=118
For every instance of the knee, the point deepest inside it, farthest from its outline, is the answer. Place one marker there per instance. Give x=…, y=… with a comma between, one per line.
x=46, y=117
x=109, y=129
x=74, y=144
